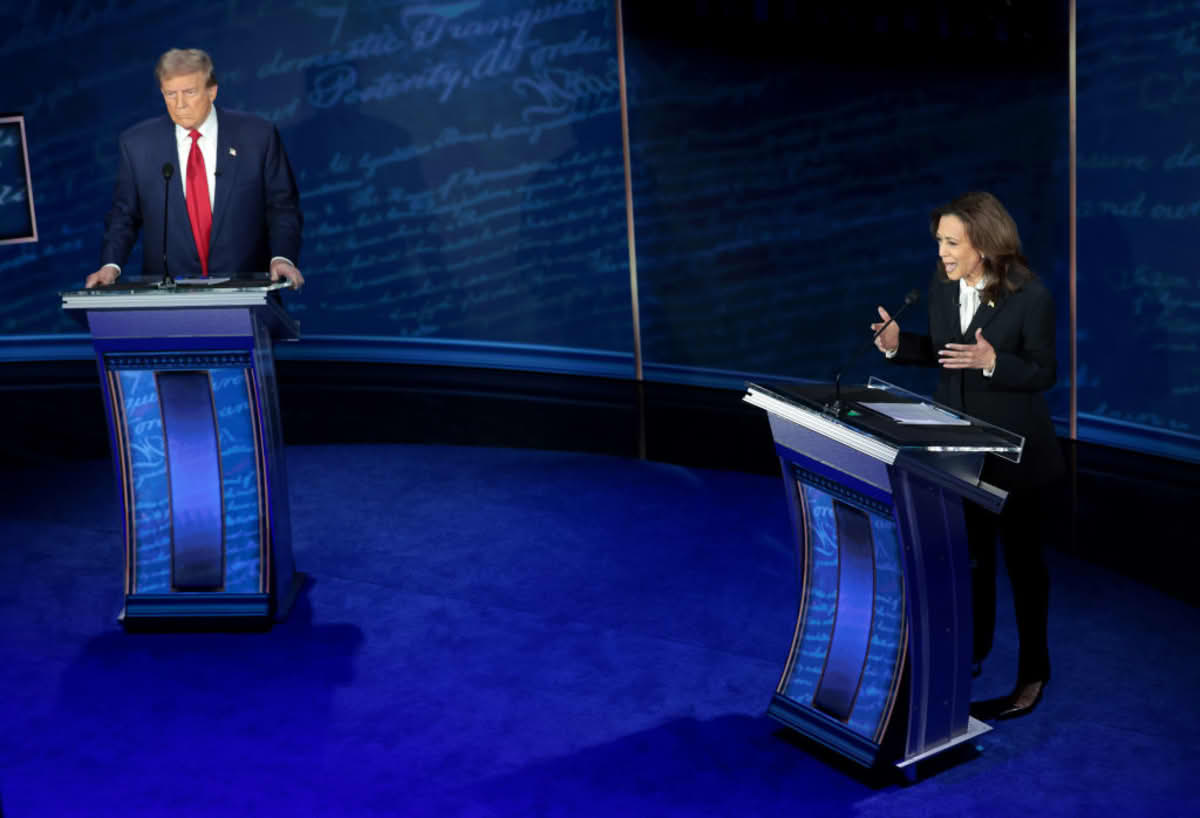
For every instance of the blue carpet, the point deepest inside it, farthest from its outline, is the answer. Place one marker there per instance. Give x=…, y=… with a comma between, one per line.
x=493, y=632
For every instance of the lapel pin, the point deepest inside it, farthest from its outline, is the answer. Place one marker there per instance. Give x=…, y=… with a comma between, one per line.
x=233, y=151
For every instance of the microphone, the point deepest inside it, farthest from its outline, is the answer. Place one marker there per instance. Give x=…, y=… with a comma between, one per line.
x=168, y=170
x=836, y=407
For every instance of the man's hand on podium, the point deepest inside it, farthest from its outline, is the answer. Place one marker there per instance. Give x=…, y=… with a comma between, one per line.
x=285, y=269
x=105, y=275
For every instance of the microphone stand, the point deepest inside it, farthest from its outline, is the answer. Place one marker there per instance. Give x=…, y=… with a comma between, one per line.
x=835, y=408
x=168, y=170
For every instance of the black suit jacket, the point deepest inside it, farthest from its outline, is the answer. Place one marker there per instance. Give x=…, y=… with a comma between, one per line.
x=1021, y=328
x=256, y=208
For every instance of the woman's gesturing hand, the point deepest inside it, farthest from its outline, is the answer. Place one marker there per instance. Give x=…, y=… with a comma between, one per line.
x=889, y=339
x=979, y=355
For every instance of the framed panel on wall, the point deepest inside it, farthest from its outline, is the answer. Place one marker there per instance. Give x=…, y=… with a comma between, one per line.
x=17, y=220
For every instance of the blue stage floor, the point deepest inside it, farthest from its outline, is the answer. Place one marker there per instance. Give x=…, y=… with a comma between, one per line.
x=497, y=632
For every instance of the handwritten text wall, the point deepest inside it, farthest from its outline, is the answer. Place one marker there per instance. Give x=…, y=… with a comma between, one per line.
x=1139, y=214
x=459, y=162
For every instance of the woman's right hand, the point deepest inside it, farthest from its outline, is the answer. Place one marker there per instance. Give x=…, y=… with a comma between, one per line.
x=889, y=339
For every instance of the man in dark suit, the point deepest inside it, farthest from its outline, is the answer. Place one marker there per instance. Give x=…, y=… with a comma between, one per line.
x=232, y=203
x=991, y=333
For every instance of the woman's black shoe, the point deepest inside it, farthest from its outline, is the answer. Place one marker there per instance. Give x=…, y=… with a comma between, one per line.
x=1020, y=702
x=1023, y=700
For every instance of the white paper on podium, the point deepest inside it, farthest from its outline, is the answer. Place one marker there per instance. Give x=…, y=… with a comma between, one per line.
x=917, y=414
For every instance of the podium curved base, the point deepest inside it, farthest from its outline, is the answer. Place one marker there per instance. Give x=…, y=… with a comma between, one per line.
x=208, y=611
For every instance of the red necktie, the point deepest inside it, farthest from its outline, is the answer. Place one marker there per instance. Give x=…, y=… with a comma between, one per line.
x=198, y=207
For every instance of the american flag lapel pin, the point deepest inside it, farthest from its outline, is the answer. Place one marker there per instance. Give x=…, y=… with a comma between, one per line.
x=233, y=151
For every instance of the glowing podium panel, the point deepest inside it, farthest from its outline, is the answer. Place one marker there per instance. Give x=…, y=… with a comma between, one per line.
x=880, y=663
x=188, y=378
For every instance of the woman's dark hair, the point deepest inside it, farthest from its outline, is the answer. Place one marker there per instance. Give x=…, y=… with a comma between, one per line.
x=994, y=234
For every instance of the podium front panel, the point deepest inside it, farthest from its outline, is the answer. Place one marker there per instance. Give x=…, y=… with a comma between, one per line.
x=150, y=453
x=843, y=674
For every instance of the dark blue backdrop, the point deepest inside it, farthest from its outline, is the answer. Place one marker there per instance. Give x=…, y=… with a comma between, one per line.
x=1139, y=213
x=785, y=167
x=460, y=167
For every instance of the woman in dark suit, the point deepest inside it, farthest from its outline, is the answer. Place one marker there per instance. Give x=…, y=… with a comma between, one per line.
x=991, y=333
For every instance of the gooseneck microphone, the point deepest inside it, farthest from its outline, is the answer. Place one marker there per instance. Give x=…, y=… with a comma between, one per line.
x=168, y=170
x=836, y=407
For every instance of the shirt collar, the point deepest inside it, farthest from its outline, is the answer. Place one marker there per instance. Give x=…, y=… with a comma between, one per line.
x=206, y=128
x=979, y=286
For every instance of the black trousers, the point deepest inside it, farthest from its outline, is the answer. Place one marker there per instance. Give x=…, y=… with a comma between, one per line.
x=1022, y=526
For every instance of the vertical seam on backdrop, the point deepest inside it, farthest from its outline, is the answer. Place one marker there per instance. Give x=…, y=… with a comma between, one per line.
x=633, y=279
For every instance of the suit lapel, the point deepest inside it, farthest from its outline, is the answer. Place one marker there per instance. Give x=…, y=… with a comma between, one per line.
x=984, y=315
x=226, y=173
x=180, y=227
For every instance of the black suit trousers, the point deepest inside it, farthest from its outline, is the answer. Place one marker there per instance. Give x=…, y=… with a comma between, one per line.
x=1021, y=526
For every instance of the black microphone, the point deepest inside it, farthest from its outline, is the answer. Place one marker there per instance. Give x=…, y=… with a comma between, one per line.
x=836, y=407
x=168, y=170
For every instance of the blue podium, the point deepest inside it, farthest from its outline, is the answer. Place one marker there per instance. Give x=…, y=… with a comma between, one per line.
x=188, y=379
x=880, y=663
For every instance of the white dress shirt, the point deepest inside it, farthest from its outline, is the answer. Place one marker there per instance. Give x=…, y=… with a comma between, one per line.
x=968, y=301
x=208, y=149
